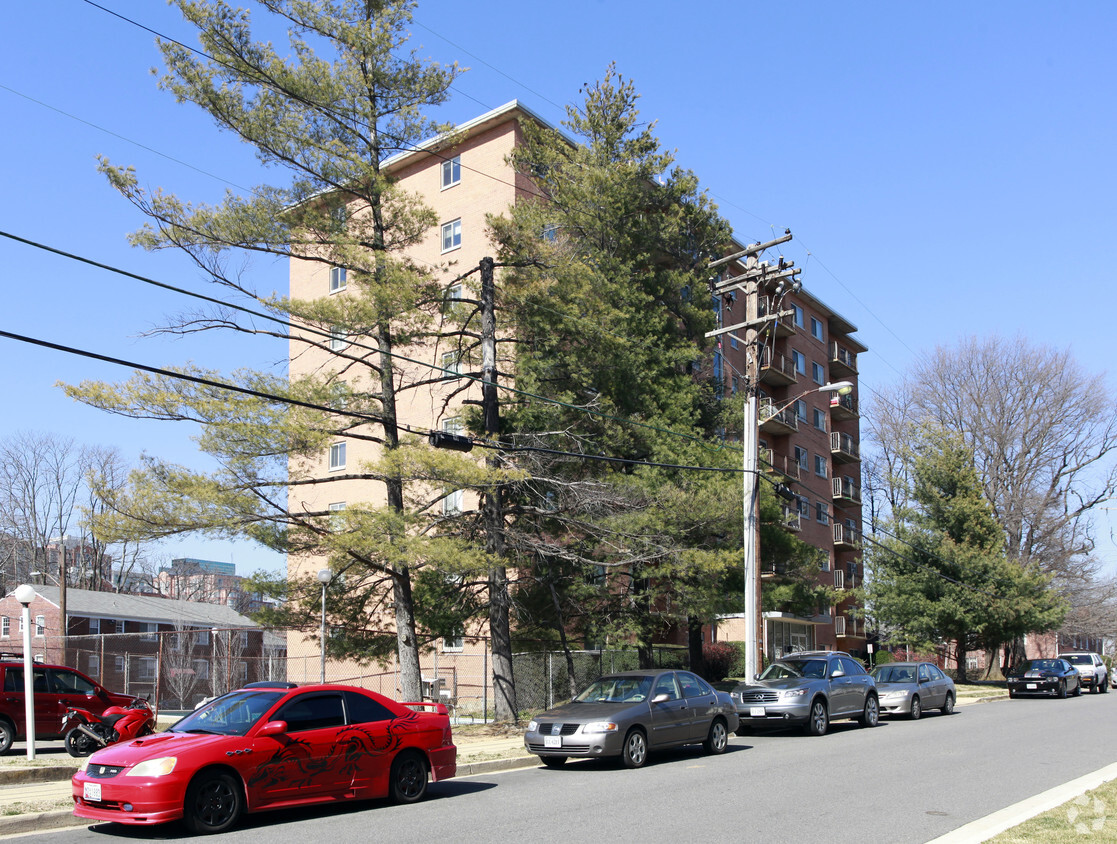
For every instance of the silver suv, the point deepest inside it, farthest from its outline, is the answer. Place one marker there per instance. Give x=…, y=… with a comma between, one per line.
x=1092, y=670
x=809, y=689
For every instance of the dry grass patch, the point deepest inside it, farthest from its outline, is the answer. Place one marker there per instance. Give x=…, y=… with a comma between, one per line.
x=1091, y=816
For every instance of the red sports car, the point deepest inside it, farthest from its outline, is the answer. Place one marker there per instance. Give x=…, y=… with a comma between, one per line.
x=269, y=748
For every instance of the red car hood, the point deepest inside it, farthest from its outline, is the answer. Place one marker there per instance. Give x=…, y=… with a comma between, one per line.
x=127, y=754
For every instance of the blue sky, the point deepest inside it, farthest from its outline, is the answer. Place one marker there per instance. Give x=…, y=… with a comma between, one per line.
x=947, y=169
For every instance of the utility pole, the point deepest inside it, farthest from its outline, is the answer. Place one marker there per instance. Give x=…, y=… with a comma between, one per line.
x=755, y=278
x=504, y=686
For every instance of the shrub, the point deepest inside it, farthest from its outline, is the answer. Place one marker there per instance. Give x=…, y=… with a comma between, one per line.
x=883, y=657
x=719, y=659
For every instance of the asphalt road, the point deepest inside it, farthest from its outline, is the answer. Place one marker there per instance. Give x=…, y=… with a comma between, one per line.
x=903, y=781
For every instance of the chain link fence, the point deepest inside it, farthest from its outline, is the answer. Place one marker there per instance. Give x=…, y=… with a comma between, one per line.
x=177, y=669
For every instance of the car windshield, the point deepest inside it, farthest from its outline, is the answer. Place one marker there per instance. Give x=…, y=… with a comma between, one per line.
x=1079, y=659
x=229, y=715
x=894, y=674
x=627, y=689
x=815, y=668
x=1036, y=665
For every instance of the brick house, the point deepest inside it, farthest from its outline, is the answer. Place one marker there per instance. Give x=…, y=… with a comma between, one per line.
x=174, y=652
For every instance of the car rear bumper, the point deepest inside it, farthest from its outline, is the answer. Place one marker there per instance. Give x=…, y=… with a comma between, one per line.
x=444, y=763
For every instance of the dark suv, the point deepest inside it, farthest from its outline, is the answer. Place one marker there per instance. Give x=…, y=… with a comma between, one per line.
x=809, y=689
x=56, y=689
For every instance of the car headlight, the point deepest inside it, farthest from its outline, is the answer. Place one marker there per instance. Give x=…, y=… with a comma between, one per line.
x=792, y=693
x=532, y=726
x=599, y=727
x=897, y=695
x=153, y=767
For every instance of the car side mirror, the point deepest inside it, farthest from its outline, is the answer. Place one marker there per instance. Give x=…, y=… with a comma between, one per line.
x=838, y=673
x=273, y=728
x=756, y=676
x=660, y=698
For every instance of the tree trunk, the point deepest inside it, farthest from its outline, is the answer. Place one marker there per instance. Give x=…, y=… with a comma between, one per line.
x=406, y=641
x=560, y=625
x=960, y=653
x=694, y=646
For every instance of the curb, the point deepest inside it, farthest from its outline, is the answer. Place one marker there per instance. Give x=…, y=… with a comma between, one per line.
x=50, y=773
x=496, y=765
x=20, y=824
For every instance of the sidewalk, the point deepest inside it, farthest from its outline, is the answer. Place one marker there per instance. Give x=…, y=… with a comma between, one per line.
x=41, y=794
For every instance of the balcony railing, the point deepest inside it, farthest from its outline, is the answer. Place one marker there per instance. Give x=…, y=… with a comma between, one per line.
x=778, y=464
x=843, y=407
x=844, y=448
x=843, y=362
x=777, y=369
x=846, y=537
x=846, y=490
x=784, y=422
x=791, y=520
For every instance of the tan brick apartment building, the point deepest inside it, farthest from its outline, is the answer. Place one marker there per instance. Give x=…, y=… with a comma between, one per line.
x=470, y=179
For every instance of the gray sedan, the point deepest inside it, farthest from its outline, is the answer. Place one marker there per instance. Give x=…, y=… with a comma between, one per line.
x=911, y=688
x=630, y=713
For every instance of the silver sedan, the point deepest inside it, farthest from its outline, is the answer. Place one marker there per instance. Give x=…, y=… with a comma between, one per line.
x=630, y=713
x=911, y=688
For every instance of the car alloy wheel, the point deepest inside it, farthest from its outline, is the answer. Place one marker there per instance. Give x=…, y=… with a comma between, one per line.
x=871, y=716
x=635, y=752
x=948, y=705
x=1062, y=689
x=408, y=777
x=916, y=708
x=819, y=718
x=718, y=739
x=213, y=804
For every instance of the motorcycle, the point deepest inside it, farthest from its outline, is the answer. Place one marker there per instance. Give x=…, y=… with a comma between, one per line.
x=117, y=723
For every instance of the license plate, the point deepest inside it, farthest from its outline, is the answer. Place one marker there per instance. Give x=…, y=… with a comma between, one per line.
x=1032, y=686
x=92, y=791
x=552, y=741
x=756, y=711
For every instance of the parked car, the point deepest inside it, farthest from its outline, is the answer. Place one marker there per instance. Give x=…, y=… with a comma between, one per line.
x=809, y=689
x=56, y=689
x=1044, y=676
x=1091, y=668
x=631, y=713
x=264, y=748
x=911, y=688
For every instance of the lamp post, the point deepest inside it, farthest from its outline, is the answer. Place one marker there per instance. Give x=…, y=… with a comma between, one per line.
x=324, y=577
x=751, y=539
x=25, y=594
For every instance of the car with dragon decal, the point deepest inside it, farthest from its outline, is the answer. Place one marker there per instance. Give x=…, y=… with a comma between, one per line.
x=269, y=748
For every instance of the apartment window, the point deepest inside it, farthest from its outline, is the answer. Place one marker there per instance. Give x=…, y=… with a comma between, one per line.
x=822, y=513
x=5, y=627
x=820, y=465
x=452, y=501
x=337, y=457
x=453, y=297
x=118, y=664
x=451, y=171
x=338, y=339
x=824, y=564
x=801, y=457
x=801, y=410
x=147, y=669
x=120, y=625
x=337, y=279
x=94, y=626
x=93, y=669
x=451, y=363
x=816, y=329
x=798, y=315
x=803, y=505
x=201, y=669
x=454, y=643
x=148, y=629
x=40, y=626
x=733, y=341
x=451, y=235
x=201, y=638
x=820, y=419
x=550, y=233
x=736, y=384
x=818, y=374
x=799, y=361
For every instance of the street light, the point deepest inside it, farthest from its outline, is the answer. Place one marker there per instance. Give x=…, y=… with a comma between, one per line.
x=25, y=594
x=324, y=577
x=750, y=437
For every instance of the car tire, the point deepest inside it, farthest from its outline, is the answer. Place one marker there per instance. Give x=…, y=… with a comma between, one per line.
x=1104, y=685
x=1011, y=694
x=1062, y=691
x=634, y=753
x=718, y=739
x=7, y=735
x=553, y=761
x=948, y=704
x=78, y=744
x=916, y=708
x=871, y=716
x=819, y=719
x=1078, y=688
x=408, y=779
x=214, y=802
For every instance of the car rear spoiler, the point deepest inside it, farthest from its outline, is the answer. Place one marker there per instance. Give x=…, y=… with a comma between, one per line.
x=438, y=708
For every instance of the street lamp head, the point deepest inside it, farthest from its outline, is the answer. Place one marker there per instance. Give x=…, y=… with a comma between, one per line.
x=325, y=576
x=842, y=388
x=25, y=594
